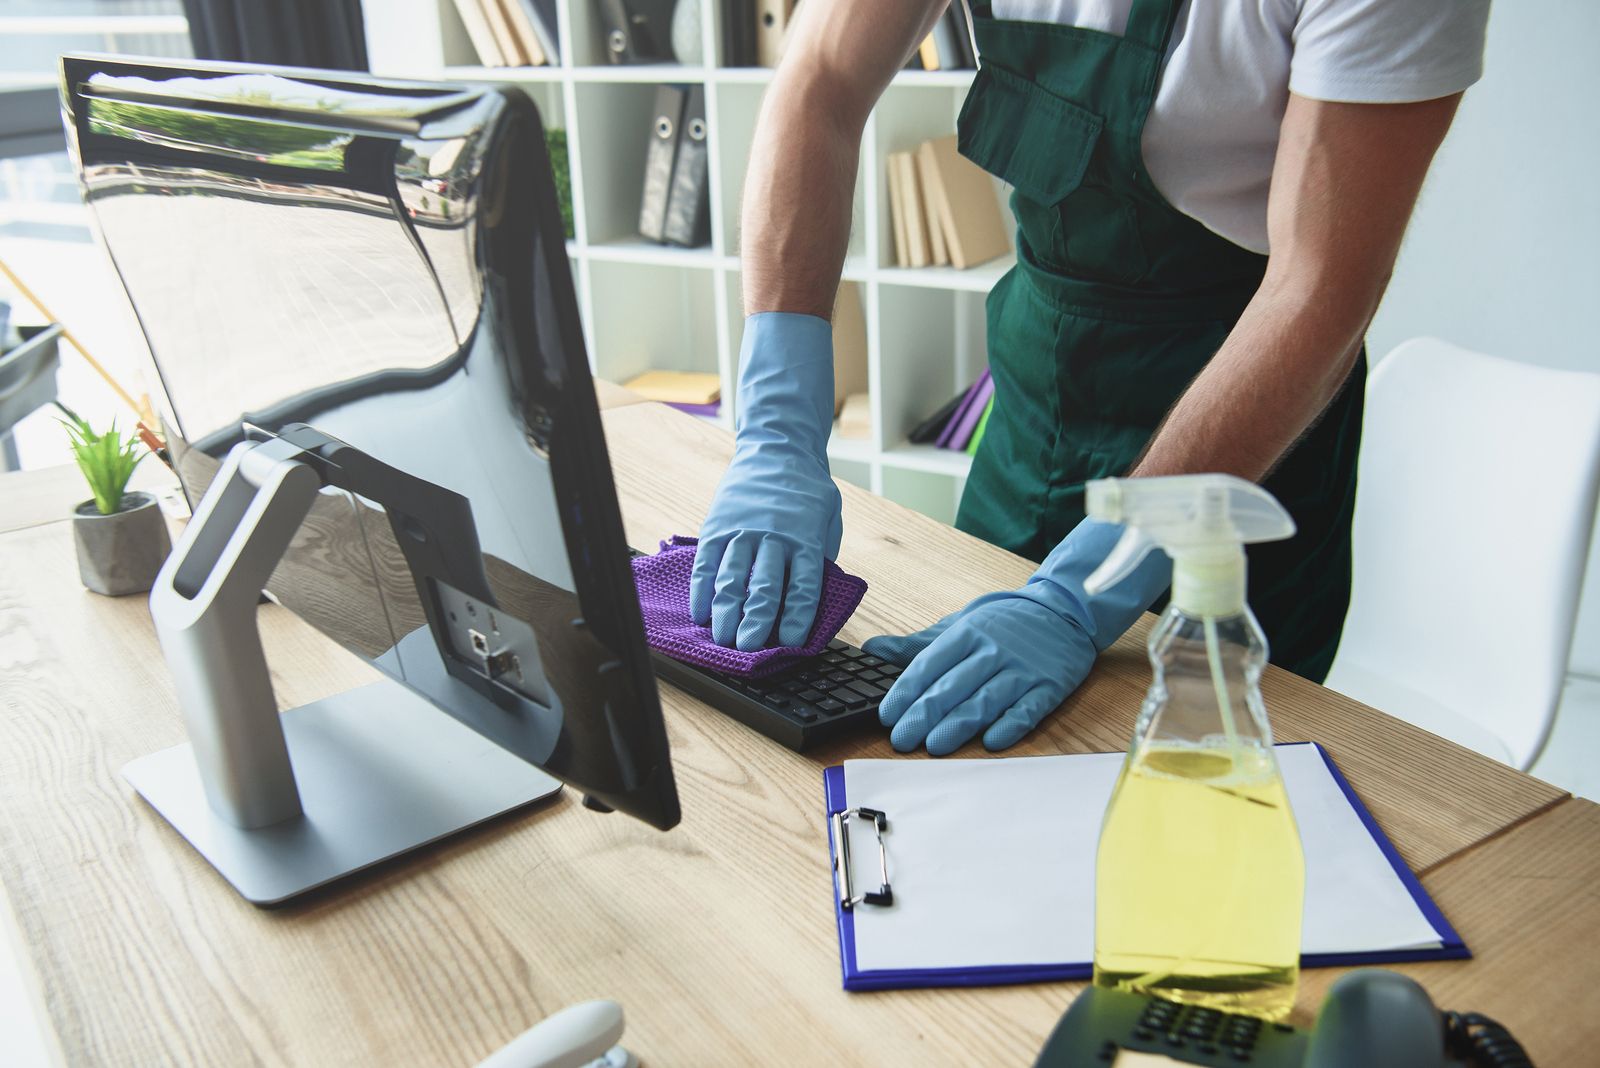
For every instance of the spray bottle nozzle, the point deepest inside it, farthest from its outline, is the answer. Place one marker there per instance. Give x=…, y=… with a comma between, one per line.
x=1201, y=521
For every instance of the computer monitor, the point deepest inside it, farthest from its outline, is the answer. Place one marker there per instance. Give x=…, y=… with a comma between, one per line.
x=357, y=295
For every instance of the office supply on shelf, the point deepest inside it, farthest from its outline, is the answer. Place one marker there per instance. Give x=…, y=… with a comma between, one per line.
x=688, y=220
x=849, y=344
x=482, y=36
x=917, y=250
x=738, y=33
x=947, y=51
x=519, y=18
x=663, y=584
x=957, y=14
x=505, y=37
x=927, y=432
x=897, y=212
x=947, y=436
x=677, y=387
x=773, y=18
x=1021, y=833
x=967, y=206
x=661, y=154
x=983, y=425
x=543, y=20
x=637, y=31
x=855, y=418
x=966, y=423
x=938, y=247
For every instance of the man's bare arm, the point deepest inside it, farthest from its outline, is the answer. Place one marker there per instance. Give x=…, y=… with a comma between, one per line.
x=796, y=213
x=1343, y=186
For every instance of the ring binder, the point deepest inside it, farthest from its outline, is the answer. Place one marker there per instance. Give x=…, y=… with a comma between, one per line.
x=848, y=898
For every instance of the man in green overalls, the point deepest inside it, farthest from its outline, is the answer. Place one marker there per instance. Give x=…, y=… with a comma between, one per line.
x=1133, y=338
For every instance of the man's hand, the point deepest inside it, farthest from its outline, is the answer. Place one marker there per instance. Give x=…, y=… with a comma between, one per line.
x=1007, y=660
x=758, y=571
x=1343, y=186
x=776, y=516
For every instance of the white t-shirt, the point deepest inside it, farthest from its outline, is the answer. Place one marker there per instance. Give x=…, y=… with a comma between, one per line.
x=1212, y=132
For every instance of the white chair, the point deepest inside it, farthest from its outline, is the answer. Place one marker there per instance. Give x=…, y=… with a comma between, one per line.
x=1474, y=510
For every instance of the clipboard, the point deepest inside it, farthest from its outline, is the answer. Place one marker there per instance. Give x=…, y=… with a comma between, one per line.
x=865, y=881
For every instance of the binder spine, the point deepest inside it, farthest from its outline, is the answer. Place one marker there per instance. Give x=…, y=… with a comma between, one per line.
x=658, y=162
x=688, y=220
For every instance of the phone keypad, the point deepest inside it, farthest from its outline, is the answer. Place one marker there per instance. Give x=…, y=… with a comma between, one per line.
x=1209, y=1032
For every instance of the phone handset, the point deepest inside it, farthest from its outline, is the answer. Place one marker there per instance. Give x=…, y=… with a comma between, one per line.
x=1371, y=1018
x=1377, y=1019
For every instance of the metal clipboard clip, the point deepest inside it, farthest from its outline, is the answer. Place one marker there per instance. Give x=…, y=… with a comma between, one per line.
x=848, y=898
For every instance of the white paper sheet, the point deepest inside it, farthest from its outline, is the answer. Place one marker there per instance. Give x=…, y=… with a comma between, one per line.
x=992, y=861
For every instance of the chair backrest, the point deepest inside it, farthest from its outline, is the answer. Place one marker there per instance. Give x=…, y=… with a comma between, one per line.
x=1473, y=514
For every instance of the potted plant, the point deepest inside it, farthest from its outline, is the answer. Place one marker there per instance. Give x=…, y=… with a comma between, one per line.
x=121, y=536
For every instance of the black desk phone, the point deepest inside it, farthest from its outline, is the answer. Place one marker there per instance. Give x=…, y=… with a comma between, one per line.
x=1371, y=1019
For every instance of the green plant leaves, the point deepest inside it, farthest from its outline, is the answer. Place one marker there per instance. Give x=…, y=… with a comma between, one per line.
x=106, y=460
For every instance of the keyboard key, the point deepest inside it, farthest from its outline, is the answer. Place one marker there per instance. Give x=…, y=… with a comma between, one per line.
x=840, y=676
x=872, y=676
x=804, y=713
x=838, y=646
x=824, y=685
x=892, y=670
x=830, y=705
x=867, y=690
x=871, y=661
x=811, y=697
x=777, y=700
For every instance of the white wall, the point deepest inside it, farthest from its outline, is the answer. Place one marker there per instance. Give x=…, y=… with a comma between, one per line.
x=1503, y=255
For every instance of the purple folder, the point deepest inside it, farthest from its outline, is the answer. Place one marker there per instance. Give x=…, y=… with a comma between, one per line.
x=967, y=399
x=970, y=418
x=1451, y=947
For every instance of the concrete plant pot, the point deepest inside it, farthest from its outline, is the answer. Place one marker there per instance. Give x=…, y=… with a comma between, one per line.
x=121, y=553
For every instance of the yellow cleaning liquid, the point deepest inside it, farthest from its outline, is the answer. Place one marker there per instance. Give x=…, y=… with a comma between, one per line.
x=1200, y=880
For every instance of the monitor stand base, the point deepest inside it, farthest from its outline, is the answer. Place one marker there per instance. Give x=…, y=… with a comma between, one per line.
x=380, y=772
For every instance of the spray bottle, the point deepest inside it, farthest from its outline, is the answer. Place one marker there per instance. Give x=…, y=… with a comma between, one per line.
x=1200, y=878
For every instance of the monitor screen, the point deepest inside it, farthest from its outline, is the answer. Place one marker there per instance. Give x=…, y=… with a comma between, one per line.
x=376, y=271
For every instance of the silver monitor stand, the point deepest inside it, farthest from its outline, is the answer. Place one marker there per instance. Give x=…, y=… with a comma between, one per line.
x=284, y=804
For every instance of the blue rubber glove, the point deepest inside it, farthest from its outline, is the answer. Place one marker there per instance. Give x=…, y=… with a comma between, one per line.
x=1009, y=659
x=775, y=517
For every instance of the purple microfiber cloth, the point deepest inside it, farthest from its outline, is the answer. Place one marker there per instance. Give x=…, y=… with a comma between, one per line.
x=663, y=581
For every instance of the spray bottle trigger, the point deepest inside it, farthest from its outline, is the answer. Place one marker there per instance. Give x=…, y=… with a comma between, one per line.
x=1127, y=554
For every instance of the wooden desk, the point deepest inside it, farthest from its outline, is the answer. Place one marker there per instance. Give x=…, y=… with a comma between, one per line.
x=718, y=937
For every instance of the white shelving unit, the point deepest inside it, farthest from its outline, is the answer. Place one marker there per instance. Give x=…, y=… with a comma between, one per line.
x=650, y=306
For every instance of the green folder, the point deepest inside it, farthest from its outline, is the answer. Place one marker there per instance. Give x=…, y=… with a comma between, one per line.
x=977, y=431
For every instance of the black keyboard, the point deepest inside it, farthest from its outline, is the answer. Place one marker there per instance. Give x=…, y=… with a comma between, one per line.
x=809, y=702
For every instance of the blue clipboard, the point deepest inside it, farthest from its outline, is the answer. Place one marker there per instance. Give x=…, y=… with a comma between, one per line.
x=1451, y=947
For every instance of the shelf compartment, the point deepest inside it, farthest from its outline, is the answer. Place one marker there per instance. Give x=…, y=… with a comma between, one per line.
x=652, y=317
x=931, y=345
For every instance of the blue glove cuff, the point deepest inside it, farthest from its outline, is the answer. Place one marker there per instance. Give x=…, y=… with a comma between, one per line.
x=1058, y=584
x=785, y=392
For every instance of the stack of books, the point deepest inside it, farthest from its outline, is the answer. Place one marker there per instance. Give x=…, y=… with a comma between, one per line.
x=695, y=392
x=512, y=33
x=960, y=424
x=944, y=208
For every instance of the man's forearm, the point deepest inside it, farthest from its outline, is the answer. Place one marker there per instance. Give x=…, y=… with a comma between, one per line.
x=795, y=219
x=1279, y=369
x=1343, y=186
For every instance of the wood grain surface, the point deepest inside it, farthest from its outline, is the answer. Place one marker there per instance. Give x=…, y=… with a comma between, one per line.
x=717, y=937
